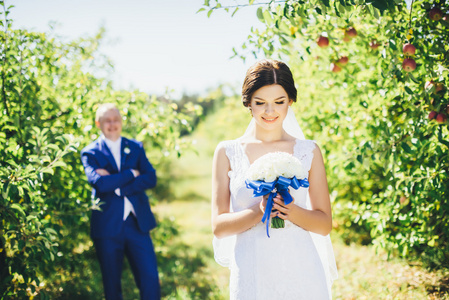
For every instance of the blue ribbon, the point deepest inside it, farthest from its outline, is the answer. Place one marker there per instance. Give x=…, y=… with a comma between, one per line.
x=280, y=186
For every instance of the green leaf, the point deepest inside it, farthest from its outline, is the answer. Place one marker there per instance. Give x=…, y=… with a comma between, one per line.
x=392, y=44
x=408, y=90
x=51, y=146
x=413, y=78
x=267, y=17
x=349, y=166
x=59, y=163
x=381, y=5
x=209, y=13
x=51, y=231
x=260, y=14
x=406, y=147
x=336, y=10
x=47, y=170
x=5, y=190
x=18, y=208
x=376, y=13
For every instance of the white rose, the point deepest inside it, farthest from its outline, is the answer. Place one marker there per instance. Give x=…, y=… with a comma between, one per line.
x=282, y=168
x=272, y=165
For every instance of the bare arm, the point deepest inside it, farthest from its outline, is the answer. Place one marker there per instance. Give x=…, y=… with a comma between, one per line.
x=319, y=219
x=224, y=222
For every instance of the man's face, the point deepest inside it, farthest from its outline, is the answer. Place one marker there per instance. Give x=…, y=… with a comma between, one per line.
x=111, y=124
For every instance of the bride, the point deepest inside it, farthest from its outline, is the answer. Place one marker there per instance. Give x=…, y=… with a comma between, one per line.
x=295, y=262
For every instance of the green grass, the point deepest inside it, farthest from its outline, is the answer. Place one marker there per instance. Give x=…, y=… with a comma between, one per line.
x=364, y=273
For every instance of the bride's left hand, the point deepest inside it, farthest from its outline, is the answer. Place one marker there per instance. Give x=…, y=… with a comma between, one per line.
x=283, y=210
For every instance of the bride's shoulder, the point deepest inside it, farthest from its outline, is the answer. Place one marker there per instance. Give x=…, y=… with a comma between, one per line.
x=226, y=148
x=226, y=144
x=311, y=143
x=307, y=146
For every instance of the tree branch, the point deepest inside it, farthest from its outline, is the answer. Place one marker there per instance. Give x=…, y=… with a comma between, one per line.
x=59, y=114
x=245, y=5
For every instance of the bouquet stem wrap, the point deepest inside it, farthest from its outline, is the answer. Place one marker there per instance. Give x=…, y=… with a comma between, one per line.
x=280, y=185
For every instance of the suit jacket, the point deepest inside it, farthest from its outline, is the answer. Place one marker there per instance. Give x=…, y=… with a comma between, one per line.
x=108, y=222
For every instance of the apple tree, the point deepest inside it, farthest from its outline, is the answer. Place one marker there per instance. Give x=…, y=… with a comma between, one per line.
x=49, y=92
x=372, y=80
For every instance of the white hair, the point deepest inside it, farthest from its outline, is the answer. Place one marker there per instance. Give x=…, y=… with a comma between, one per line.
x=103, y=108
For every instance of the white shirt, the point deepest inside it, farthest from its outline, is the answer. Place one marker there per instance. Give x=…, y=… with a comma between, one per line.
x=115, y=148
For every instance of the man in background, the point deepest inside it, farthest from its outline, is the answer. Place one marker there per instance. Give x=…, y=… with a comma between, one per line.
x=119, y=172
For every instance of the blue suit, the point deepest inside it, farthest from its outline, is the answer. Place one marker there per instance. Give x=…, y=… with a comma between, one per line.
x=113, y=237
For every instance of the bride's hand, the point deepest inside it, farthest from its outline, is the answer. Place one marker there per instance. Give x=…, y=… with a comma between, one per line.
x=263, y=205
x=282, y=209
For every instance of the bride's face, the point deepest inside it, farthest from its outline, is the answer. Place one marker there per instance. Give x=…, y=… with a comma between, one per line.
x=269, y=106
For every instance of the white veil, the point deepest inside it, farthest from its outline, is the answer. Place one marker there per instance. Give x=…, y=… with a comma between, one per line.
x=223, y=248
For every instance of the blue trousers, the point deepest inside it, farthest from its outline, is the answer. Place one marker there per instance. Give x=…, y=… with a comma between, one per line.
x=138, y=248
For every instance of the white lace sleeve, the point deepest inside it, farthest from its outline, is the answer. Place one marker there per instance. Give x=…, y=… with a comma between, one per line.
x=224, y=247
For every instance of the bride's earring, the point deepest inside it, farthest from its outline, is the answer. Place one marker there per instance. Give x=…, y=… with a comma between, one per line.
x=250, y=110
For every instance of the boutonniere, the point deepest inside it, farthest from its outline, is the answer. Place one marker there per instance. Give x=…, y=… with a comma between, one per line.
x=127, y=150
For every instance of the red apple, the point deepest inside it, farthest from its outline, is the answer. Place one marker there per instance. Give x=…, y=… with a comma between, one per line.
x=373, y=44
x=403, y=199
x=335, y=68
x=409, y=64
x=435, y=14
x=409, y=49
x=343, y=60
x=351, y=32
x=438, y=87
x=432, y=115
x=322, y=41
x=441, y=118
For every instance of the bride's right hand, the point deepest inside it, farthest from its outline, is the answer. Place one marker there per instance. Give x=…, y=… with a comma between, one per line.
x=263, y=205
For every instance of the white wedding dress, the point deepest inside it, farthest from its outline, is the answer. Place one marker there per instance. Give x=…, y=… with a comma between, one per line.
x=293, y=263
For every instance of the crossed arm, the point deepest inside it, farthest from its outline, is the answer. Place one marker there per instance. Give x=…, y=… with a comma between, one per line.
x=129, y=181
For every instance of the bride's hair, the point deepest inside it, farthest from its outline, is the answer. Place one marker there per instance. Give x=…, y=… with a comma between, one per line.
x=268, y=72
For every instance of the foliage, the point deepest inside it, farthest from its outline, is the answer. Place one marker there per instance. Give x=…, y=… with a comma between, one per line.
x=364, y=272
x=388, y=159
x=49, y=92
x=198, y=105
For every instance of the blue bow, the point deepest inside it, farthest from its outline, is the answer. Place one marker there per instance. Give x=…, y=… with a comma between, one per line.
x=280, y=185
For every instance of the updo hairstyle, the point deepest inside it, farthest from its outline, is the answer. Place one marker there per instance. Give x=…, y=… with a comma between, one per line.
x=267, y=72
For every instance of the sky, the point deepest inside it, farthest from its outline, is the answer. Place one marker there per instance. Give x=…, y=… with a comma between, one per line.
x=154, y=45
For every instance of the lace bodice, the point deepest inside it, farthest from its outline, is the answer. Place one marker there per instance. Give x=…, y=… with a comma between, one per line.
x=258, y=263
x=303, y=150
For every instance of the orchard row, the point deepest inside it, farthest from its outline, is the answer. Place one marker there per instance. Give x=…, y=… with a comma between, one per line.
x=408, y=64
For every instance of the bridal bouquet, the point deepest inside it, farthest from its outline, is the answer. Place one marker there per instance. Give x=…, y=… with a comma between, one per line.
x=274, y=173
